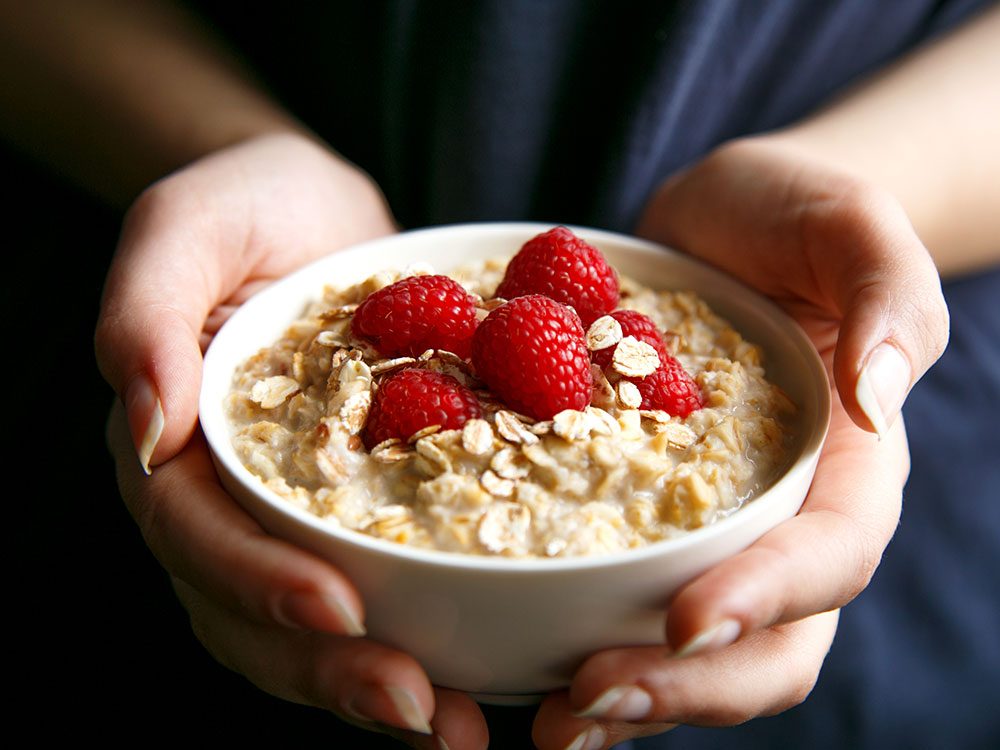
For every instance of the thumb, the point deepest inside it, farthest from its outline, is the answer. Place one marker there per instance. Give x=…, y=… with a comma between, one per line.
x=895, y=320
x=158, y=293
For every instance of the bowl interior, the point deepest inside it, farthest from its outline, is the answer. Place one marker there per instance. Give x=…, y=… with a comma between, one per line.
x=790, y=359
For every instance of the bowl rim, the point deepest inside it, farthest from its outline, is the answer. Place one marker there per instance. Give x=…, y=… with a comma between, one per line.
x=214, y=424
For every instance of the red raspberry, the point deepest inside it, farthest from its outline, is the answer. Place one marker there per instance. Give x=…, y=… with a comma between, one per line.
x=633, y=324
x=415, y=314
x=560, y=265
x=670, y=388
x=532, y=354
x=413, y=399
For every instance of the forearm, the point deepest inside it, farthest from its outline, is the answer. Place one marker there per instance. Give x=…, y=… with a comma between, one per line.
x=928, y=130
x=116, y=94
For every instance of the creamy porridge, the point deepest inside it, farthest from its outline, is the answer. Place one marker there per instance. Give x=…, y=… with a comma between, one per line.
x=611, y=477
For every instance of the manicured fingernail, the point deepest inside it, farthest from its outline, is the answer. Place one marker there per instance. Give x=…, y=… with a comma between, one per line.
x=442, y=745
x=591, y=738
x=352, y=623
x=145, y=418
x=622, y=703
x=882, y=386
x=713, y=638
x=310, y=610
x=408, y=709
x=372, y=700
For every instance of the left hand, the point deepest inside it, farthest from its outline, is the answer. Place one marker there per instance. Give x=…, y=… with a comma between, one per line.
x=841, y=258
x=194, y=245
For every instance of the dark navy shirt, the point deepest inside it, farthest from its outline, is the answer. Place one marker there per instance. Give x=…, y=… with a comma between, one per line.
x=573, y=112
x=559, y=110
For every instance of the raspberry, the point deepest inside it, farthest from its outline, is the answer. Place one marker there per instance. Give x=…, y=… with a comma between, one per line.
x=532, y=354
x=415, y=314
x=413, y=399
x=633, y=324
x=560, y=265
x=670, y=388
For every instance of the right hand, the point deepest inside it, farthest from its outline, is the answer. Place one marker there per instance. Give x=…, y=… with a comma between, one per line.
x=193, y=247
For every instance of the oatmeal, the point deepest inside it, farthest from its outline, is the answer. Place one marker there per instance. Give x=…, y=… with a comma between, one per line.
x=609, y=476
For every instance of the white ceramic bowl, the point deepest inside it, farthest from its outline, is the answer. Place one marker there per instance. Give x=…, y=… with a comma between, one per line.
x=509, y=630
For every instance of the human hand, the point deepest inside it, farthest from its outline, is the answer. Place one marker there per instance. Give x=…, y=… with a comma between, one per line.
x=748, y=637
x=193, y=247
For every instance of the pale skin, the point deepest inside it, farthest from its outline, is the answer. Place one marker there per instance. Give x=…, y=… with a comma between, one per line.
x=834, y=217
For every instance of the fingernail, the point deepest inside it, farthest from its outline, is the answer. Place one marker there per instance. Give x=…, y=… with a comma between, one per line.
x=408, y=709
x=352, y=623
x=371, y=702
x=145, y=418
x=713, y=638
x=882, y=386
x=310, y=610
x=622, y=703
x=591, y=738
x=442, y=745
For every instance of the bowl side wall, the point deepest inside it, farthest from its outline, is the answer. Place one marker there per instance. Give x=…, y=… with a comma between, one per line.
x=503, y=626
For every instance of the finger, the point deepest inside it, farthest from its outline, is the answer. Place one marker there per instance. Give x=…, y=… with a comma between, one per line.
x=817, y=561
x=885, y=285
x=365, y=683
x=769, y=673
x=223, y=311
x=174, y=262
x=200, y=535
x=557, y=727
x=458, y=723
